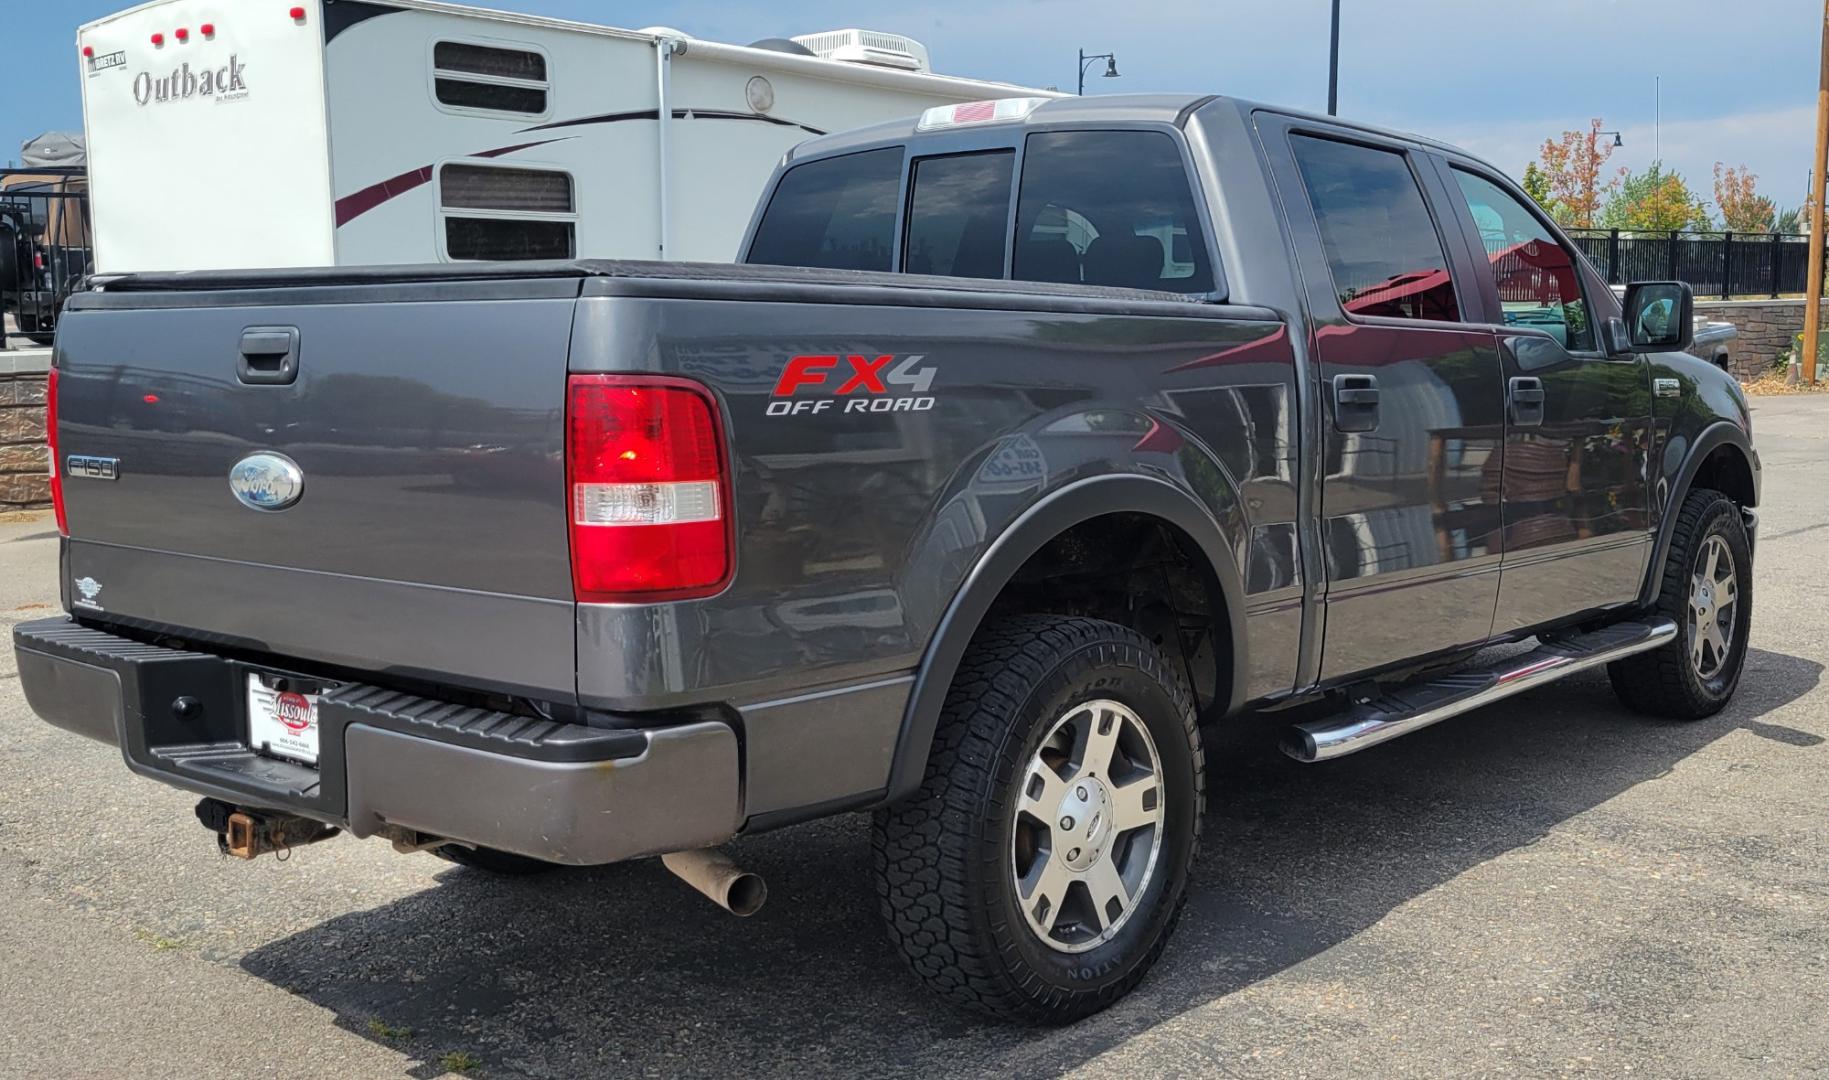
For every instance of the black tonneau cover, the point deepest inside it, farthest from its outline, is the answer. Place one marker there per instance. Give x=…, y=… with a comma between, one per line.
x=230, y=280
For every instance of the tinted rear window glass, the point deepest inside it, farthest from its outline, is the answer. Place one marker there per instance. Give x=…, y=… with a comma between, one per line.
x=837, y=213
x=1381, y=243
x=508, y=238
x=958, y=215
x=483, y=60
x=471, y=95
x=478, y=187
x=1108, y=208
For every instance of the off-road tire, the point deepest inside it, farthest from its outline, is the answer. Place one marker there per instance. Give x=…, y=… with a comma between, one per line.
x=1663, y=682
x=491, y=860
x=943, y=860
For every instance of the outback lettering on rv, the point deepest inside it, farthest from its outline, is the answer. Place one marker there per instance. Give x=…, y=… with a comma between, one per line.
x=183, y=83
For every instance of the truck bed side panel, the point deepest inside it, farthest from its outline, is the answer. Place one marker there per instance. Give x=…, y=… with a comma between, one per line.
x=860, y=514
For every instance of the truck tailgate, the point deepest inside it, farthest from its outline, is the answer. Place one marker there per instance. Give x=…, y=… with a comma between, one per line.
x=428, y=537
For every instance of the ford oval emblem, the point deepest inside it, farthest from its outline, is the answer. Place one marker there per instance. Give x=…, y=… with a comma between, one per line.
x=267, y=481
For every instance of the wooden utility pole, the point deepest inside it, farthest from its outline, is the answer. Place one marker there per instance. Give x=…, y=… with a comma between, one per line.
x=1813, y=294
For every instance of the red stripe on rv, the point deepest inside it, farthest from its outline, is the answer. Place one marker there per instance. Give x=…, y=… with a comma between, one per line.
x=353, y=206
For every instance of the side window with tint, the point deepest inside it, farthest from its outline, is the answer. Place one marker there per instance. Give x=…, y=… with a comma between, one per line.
x=468, y=76
x=958, y=215
x=836, y=213
x=1539, y=284
x=1382, y=246
x=491, y=212
x=1108, y=208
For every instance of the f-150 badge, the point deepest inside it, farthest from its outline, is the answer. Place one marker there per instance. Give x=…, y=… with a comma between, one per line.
x=854, y=384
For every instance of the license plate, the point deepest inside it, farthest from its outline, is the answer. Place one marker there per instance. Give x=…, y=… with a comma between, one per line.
x=283, y=723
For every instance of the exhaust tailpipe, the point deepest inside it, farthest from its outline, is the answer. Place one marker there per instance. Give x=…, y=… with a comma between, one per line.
x=723, y=882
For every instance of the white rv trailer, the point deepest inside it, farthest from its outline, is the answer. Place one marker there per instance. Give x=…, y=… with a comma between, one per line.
x=276, y=133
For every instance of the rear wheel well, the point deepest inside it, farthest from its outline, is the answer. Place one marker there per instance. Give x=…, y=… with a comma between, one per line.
x=1726, y=470
x=1138, y=571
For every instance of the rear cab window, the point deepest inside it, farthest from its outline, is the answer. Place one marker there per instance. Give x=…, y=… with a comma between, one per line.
x=1096, y=207
x=959, y=215
x=1109, y=208
x=836, y=213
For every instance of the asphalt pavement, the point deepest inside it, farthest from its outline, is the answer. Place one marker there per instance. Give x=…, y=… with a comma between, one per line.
x=1549, y=886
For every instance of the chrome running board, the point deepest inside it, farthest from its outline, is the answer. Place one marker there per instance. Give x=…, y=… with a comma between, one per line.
x=1414, y=707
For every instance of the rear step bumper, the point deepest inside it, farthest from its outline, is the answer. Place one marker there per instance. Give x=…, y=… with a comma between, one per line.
x=1411, y=708
x=562, y=792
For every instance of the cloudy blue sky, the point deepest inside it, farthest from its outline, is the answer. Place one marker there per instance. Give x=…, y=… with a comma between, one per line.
x=1496, y=76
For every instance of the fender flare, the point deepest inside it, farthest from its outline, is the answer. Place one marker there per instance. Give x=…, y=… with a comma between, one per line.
x=1054, y=514
x=1713, y=437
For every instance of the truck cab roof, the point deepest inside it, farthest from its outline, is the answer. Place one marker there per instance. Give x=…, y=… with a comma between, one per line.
x=1119, y=109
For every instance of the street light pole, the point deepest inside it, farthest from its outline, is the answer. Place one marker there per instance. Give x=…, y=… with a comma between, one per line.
x=1111, y=66
x=1333, y=66
x=1587, y=210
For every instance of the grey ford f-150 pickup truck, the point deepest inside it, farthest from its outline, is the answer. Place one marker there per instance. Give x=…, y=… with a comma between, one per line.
x=1057, y=430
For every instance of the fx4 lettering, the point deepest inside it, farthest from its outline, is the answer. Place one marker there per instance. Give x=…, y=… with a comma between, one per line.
x=866, y=374
x=874, y=384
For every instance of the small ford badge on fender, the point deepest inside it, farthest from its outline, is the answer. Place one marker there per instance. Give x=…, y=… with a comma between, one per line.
x=92, y=468
x=1667, y=388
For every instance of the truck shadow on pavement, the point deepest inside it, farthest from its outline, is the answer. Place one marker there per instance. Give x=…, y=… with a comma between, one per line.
x=623, y=970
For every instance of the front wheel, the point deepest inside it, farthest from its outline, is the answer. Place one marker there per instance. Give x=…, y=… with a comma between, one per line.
x=1708, y=592
x=1040, y=869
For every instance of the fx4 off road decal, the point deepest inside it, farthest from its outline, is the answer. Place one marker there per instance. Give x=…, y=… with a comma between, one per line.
x=853, y=384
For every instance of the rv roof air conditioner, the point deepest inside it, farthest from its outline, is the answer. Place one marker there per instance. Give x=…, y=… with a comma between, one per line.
x=868, y=47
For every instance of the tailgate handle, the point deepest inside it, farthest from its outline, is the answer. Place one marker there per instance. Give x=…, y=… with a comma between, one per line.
x=269, y=355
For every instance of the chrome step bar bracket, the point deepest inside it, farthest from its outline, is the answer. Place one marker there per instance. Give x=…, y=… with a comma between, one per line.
x=1411, y=708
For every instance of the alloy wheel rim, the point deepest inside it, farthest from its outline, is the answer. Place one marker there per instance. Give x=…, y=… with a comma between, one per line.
x=1714, y=595
x=1088, y=826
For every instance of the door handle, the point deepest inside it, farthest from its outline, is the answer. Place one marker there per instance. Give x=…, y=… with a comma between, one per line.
x=269, y=355
x=1526, y=400
x=1355, y=402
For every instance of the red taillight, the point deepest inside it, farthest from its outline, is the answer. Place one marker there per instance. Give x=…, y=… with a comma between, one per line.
x=158, y=39
x=88, y=51
x=208, y=29
x=50, y=437
x=298, y=14
x=182, y=33
x=647, y=487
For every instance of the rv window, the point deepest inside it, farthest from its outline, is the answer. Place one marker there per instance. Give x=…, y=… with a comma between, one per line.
x=481, y=77
x=958, y=215
x=496, y=213
x=836, y=213
x=483, y=187
x=1079, y=219
x=508, y=238
x=483, y=60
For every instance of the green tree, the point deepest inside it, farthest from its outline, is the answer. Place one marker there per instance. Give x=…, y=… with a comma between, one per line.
x=1537, y=186
x=1791, y=221
x=1655, y=201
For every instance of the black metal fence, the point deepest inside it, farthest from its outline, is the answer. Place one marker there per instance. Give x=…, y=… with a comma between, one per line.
x=1722, y=264
x=45, y=245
